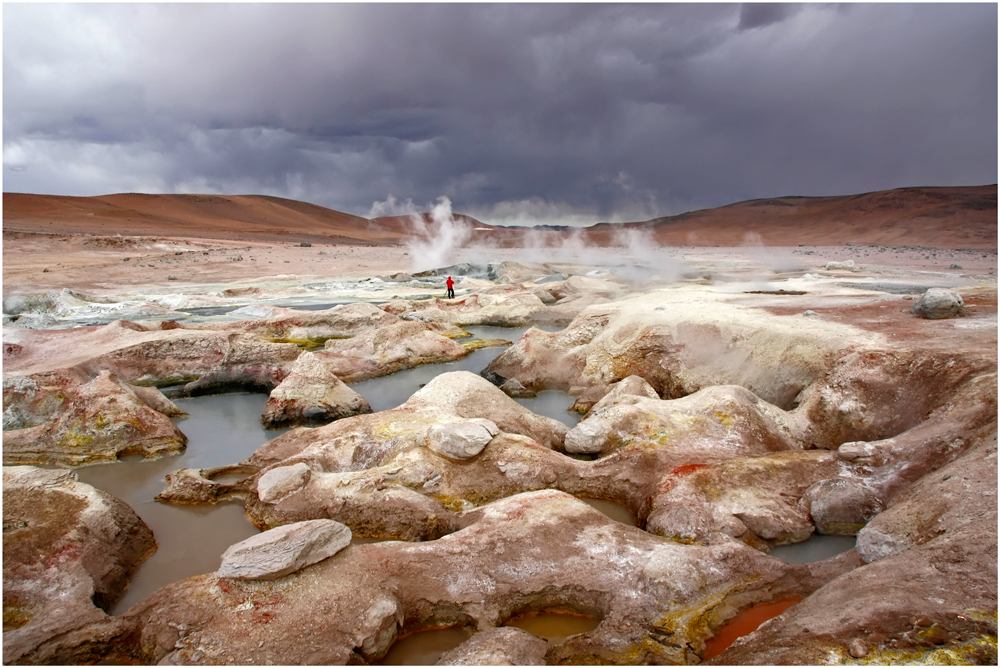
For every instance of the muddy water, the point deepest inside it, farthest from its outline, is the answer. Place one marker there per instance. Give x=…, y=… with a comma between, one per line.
x=617, y=512
x=426, y=647
x=222, y=429
x=554, y=627
x=816, y=548
x=745, y=623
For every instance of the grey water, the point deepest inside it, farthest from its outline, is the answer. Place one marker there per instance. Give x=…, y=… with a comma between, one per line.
x=816, y=548
x=391, y=391
x=223, y=429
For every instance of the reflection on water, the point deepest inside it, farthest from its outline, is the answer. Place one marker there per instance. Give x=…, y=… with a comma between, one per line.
x=554, y=405
x=745, y=623
x=554, y=627
x=816, y=548
x=392, y=391
x=426, y=647
x=223, y=429
x=615, y=511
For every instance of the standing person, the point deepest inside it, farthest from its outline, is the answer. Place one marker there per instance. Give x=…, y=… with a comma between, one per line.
x=451, y=288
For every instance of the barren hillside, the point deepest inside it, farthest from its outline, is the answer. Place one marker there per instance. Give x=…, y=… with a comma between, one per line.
x=954, y=217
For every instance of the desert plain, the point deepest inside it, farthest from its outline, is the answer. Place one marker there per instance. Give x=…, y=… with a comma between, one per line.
x=748, y=378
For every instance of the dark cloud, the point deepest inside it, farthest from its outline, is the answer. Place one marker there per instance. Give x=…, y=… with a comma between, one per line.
x=761, y=14
x=514, y=112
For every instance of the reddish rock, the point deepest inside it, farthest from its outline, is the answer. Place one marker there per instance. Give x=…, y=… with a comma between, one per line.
x=67, y=549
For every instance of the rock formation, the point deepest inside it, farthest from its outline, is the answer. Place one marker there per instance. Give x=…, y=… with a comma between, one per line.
x=68, y=551
x=311, y=393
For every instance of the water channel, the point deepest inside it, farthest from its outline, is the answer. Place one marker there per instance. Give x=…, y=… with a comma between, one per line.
x=224, y=429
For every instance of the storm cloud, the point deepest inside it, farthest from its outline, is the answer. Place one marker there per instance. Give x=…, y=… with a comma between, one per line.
x=516, y=113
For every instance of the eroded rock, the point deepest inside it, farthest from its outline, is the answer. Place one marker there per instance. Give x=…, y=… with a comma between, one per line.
x=95, y=421
x=640, y=586
x=311, y=394
x=67, y=548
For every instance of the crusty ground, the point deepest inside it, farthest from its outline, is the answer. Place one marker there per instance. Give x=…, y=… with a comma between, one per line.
x=36, y=262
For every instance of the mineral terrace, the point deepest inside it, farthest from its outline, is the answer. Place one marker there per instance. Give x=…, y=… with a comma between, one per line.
x=730, y=406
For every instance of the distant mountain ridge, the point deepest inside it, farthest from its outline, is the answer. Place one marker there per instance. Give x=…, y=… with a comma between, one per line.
x=954, y=217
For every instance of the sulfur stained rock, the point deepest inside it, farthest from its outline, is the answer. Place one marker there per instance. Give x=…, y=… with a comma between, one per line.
x=311, y=394
x=942, y=569
x=389, y=348
x=67, y=548
x=728, y=420
x=96, y=421
x=528, y=547
x=756, y=494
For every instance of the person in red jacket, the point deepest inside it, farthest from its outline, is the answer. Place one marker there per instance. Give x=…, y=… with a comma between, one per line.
x=451, y=288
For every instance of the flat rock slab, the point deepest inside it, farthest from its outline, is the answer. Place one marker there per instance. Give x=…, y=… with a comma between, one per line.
x=284, y=550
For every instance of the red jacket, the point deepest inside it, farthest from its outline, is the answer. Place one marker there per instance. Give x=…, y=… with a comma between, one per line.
x=450, y=283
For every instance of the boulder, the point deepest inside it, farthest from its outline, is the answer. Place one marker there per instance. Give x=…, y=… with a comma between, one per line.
x=311, y=394
x=512, y=388
x=503, y=646
x=840, y=506
x=938, y=304
x=461, y=440
x=281, y=481
x=68, y=551
x=284, y=550
x=847, y=265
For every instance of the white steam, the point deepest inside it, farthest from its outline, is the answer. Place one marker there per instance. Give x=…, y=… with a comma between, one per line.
x=434, y=241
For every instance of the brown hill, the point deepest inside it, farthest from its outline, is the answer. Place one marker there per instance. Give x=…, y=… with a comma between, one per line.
x=242, y=217
x=946, y=217
x=952, y=217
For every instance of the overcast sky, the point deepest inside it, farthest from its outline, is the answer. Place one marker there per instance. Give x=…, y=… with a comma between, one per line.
x=517, y=113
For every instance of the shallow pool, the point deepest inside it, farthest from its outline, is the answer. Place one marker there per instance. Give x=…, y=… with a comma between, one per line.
x=816, y=548
x=223, y=429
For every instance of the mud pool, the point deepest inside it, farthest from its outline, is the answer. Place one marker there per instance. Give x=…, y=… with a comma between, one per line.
x=554, y=627
x=226, y=428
